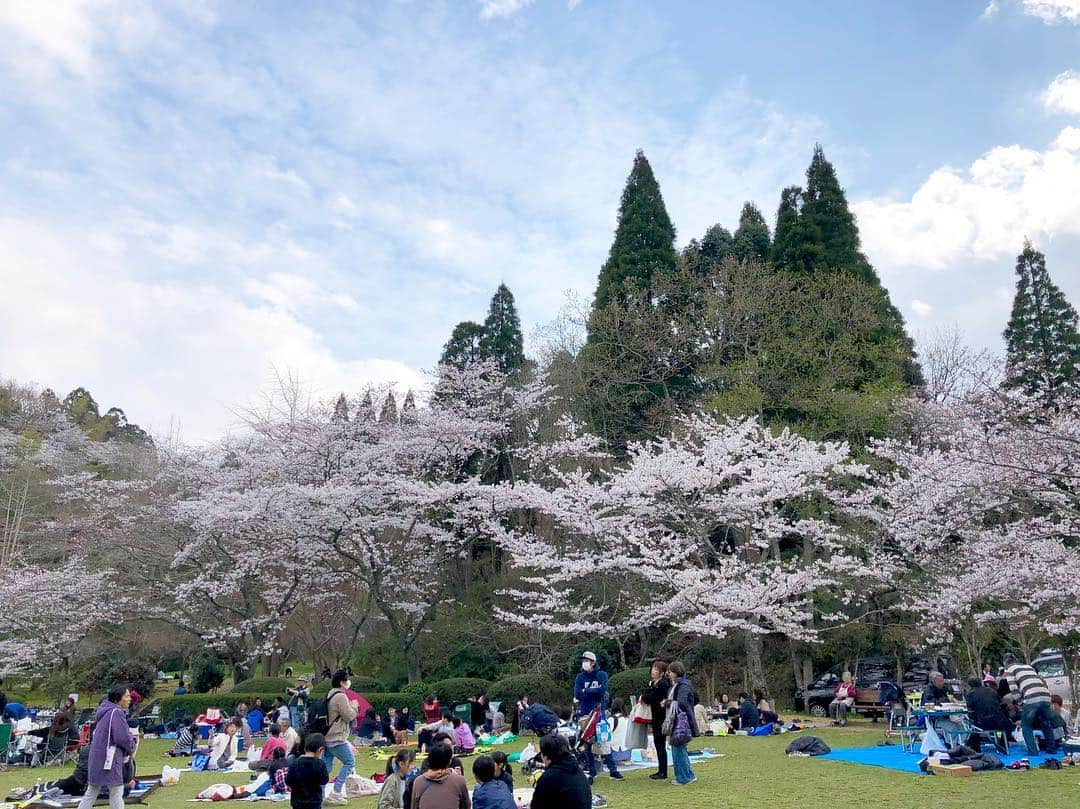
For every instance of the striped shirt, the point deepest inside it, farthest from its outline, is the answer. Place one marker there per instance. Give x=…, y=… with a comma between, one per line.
x=1026, y=682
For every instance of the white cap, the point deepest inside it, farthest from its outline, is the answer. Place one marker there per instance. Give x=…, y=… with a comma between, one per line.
x=588, y=656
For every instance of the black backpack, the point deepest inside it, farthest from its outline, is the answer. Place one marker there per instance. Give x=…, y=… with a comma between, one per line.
x=318, y=715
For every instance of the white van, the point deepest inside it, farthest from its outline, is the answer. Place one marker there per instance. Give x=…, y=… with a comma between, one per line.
x=1051, y=667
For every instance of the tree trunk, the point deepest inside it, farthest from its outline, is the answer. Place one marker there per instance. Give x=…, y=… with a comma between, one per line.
x=755, y=671
x=271, y=665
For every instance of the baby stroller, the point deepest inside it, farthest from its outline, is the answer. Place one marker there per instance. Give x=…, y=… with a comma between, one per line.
x=534, y=767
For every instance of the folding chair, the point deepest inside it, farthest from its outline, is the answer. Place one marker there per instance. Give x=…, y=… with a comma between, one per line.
x=1000, y=738
x=58, y=749
x=910, y=730
x=5, y=741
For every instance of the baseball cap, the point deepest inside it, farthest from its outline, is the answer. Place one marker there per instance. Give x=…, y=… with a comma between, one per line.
x=588, y=656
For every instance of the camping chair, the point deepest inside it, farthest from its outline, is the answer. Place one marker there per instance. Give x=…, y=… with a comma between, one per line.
x=1000, y=738
x=58, y=749
x=5, y=741
x=909, y=729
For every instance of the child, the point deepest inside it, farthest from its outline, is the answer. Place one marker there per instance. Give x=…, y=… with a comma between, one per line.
x=566, y=728
x=464, y=741
x=392, y=795
x=503, y=772
x=279, y=768
x=490, y=793
x=185, y=742
x=308, y=776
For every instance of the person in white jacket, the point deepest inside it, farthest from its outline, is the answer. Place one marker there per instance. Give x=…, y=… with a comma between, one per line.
x=224, y=747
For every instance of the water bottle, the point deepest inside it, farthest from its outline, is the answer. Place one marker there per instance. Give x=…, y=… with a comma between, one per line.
x=603, y=731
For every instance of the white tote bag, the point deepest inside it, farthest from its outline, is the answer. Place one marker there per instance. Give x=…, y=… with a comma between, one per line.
x=110, y=750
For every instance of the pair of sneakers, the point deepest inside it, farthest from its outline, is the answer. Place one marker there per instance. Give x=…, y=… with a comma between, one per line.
x=335, y=798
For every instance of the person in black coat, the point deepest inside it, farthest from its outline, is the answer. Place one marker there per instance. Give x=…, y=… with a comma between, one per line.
x=563, y=785
x=936, y=692
x=984, y=706
x=655, y=697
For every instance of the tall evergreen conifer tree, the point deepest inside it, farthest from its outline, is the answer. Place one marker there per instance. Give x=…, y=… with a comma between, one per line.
x=463, y=347
x=1041, y=338
x=389, y=412
x=501, y=338
x=644, y=238
x=751, y=242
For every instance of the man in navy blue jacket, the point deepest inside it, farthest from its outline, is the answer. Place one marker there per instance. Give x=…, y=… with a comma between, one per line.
x=590, y=696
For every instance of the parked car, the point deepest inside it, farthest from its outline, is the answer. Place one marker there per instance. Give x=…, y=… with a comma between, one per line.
x=1050, y=664
x=869, y=671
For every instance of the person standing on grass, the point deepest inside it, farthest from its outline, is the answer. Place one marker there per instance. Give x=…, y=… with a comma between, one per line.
x=590, y=697
x=307, y=776
x=110, y=744
x=340, y=714
x=1034, y=704
x=683, y=695
x=298, y=700
x=655, y=697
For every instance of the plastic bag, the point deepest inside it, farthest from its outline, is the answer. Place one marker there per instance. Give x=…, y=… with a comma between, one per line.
x=253, y=753
x=528, y=753
x=170, y=776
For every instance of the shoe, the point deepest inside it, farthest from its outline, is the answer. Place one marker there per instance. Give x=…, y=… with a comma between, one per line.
x=658, y=777
x=617, y=776
x=335, y=798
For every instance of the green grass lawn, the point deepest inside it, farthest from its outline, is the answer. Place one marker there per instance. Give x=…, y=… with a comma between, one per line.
x=753, y=773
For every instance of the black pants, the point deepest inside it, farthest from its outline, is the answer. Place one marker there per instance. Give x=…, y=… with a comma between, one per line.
x=423, y=741
x=661, y=748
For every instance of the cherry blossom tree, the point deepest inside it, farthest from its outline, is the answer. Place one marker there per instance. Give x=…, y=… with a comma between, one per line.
x=702, y=531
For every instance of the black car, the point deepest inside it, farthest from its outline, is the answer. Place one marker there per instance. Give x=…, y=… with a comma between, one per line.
x=869, y=671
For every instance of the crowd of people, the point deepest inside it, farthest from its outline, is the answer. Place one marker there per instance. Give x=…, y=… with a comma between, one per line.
x=306, y=738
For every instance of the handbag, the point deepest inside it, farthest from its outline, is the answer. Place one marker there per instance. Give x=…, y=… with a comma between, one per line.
x=200, y=762
x=669, y=719
x=642, y=714
x=681, y=734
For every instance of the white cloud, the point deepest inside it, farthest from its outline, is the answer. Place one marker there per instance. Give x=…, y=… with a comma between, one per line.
x=158, y=349
x=991, y=10
x=1063, y=94
x=982, y=213
x=501, y=8
x=1054, y=12
x=921, y=308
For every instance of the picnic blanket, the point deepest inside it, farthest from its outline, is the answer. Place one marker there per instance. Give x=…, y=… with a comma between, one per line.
x=894, y=757
x=137, y=794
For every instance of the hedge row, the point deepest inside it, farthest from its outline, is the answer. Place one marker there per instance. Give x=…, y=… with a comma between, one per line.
x=456, y=690
x=195, y=704
x=264, y=685
x=629, y=683
x=360, y=683
x=539, y=689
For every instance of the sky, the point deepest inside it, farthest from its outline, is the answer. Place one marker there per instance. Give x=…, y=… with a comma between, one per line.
x=198, y=196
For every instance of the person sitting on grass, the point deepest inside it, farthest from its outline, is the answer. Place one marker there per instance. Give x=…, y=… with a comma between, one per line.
x=401, y=726
x=1059, y=717
x=563, y=785
x=398, y=770
x=843, y=699
x=748, y=713
x=766, y=713
x=442, y=786
x=274, y=742
x=369, y=726
x=187, y=738
x=307, y=777
x=225, y=745
x=279, y=768
x=464, y=741
x=490, y=792
x=503, y=771
x=288, y=733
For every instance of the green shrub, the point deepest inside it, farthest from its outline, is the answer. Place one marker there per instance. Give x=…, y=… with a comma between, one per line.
x=263, y=685
x=628, y=683
x=195, y=704
x=111, y=671
x=458, y=689
x=381, y=700
x=421, y=689
x=360, y=684
x=207, y=673
x=539, y=689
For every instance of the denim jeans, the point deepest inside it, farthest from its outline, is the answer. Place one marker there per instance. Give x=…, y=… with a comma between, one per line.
x=680, y=759
x=1038, y=713
x=343, y=752
x=590, y=761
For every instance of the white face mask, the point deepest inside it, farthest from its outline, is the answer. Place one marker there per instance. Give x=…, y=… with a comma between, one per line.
x=586, y=665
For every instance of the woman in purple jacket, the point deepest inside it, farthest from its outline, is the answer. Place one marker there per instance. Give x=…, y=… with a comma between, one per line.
x=110, y=730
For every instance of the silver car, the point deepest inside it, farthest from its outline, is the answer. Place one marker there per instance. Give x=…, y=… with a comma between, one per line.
x=1051, y=667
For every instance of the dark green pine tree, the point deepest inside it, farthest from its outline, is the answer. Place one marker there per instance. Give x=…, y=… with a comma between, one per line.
x=825, y=209
x=389, y=413
x=1041, y=339
x=463, y=347
x=752, y=240
x=501, y=337
x=816, y=233
x=408, y=409
x=644, y=238
x=704, y=257
x=797, y=243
